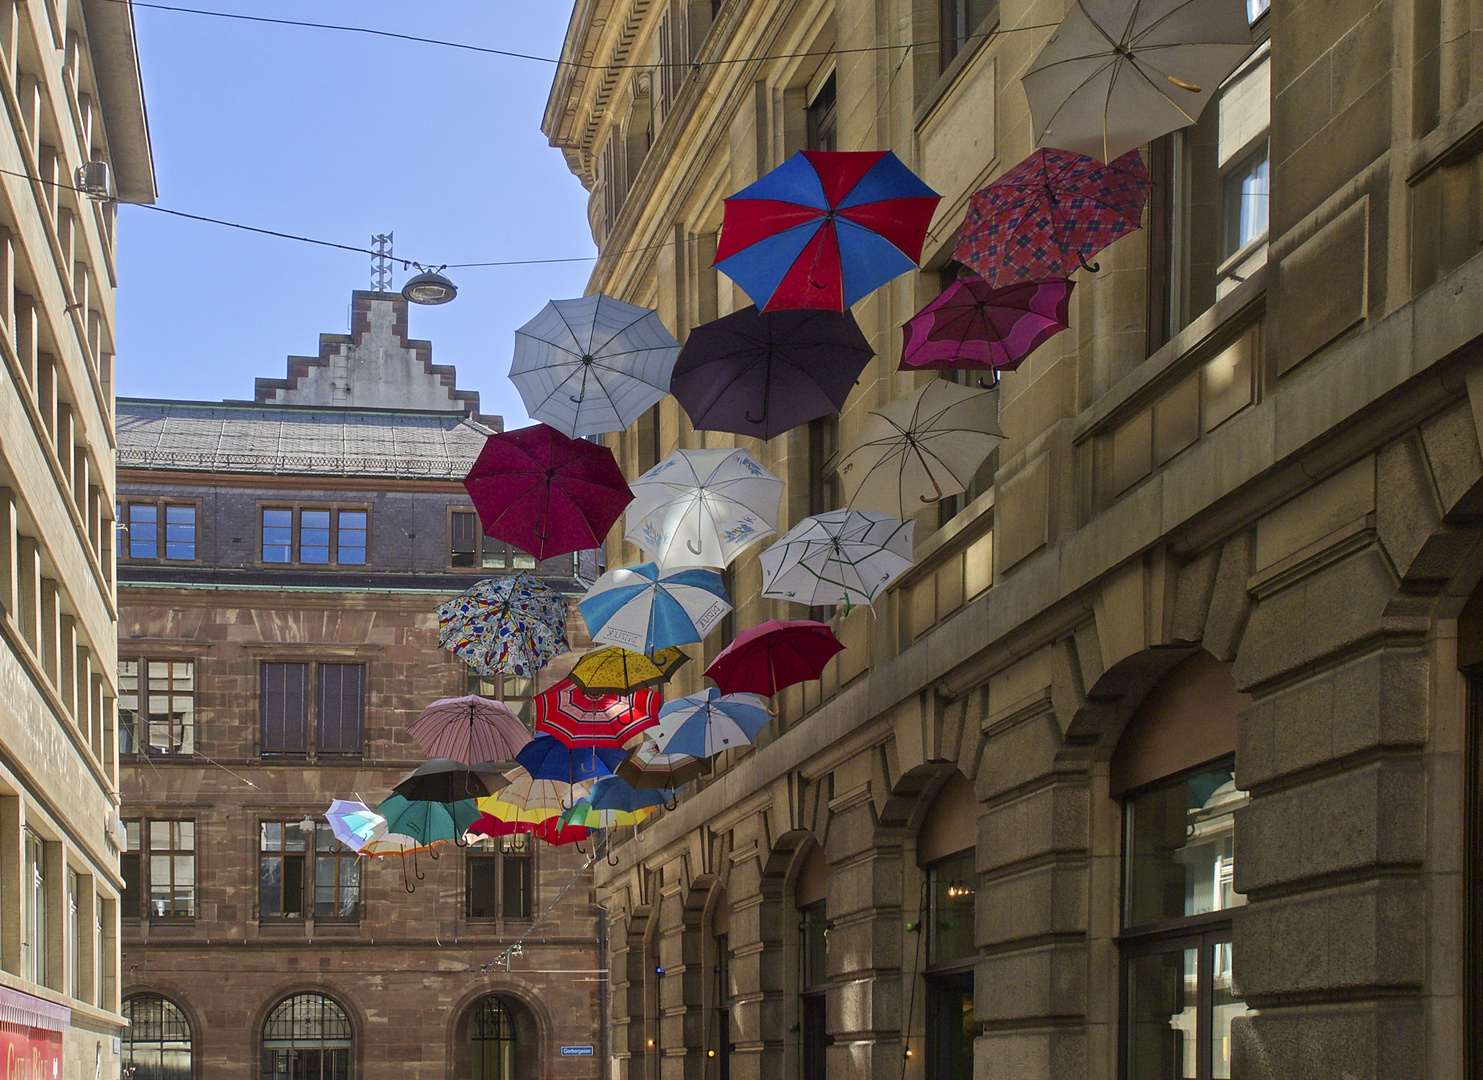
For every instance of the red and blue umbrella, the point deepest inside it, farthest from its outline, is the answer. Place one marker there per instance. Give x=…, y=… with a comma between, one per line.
x=974, y=326
x=824, y=229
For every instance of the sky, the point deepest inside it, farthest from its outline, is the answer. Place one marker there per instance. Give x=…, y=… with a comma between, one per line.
x=338, y=136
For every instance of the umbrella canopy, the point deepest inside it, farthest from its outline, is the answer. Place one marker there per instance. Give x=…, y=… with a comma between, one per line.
x=577, y=719
x=824, y=229
x=643, y=608
x=646, y=766
x=772, y=656
x=1119, y=73
x=615, y=793
x=839, y=557
x=706, y=723
x=759, y=374
x=353, y=822
x=592, y=365
x=533, y=800
x=470, y=730
x=920, y=448
x=445, y=780
x=974, y=326
x=703, y=507
x=587, y=816
x=545, y=493
x=428, y=822
x=548, y=758
x=1049, y=214
x=549, y=830
x=510, y=625
x=616, y=670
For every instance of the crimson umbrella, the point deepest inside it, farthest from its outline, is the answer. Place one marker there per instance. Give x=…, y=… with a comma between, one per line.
x=1051, y=213
x=974, y=326
x=577, y=719
x=760, y=374
x=469, y=729
x=545, y=493
x=824, y=229
x=774, y=655
x=551, y=830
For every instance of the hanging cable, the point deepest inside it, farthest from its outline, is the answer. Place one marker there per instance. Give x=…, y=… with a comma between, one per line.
x=503, y=959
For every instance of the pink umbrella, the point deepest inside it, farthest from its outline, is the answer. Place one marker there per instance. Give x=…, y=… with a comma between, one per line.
x=974, y=326
x=545, y=493
x=772, y=656
x=470, y=730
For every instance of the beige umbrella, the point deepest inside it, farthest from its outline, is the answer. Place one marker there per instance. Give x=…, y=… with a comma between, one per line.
x=1117, y=74
x=920, y=448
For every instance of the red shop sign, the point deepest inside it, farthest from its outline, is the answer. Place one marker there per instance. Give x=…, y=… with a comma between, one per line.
x=30, y=1053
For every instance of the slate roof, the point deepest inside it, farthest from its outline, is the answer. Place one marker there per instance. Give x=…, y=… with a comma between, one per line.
x=290, y=440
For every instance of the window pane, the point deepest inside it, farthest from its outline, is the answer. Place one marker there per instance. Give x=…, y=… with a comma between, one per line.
x=180, y=532
x=813, y=945
x=495, y=555
x=350, y=538
x=1247, y=197
x=482, y=881
x=284, y=705
x=463, y=540
x=1162, y=997
x=950, y=887
x=314, y=536
x=128, y=706
x=144, y=531
x=1180, y=849
x=341, y=708
x=1226, y=1005
x=278, y=536
x=517, y=886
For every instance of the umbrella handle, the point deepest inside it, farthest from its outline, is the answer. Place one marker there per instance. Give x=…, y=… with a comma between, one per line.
x=417, y=872
x=1091, y=268
x=432, y=853
x=935, y=488
x=693, y=549
x=756, y=419
x=580, y=849
x=612, y=861
x=405, y=883
x=673, y=804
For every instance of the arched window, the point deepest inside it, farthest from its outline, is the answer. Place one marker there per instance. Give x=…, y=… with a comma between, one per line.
x=492, y=1041
x=157, y=1043
x=307, y=1037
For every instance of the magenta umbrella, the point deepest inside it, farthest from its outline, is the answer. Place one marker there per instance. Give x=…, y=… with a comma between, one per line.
x=772, y=656
x=545, y=493
x=974, y=326
x=470, y=730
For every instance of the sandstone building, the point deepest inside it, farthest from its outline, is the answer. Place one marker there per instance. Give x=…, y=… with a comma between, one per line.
x=1163, y=761
x=280, y=561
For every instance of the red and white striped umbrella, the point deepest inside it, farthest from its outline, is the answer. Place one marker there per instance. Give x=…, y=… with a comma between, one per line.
x=578, y=719
x=470, y=730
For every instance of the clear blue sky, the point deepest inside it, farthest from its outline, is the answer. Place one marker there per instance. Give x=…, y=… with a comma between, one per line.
x=339, y=136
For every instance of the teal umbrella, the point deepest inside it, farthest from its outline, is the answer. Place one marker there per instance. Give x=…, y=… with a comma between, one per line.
x=427, y=822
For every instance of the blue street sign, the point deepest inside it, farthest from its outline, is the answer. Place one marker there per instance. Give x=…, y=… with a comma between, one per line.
x=576, y=1051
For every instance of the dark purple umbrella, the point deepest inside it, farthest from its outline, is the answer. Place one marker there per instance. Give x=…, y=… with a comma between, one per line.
x=759, y=374
x=974, y=326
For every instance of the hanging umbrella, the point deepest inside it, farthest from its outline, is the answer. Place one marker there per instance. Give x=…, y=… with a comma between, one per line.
x=545, y=493
x=1119, y=73
x=703, y=507
x=587, y=816
x=550, y=830
x=427, y=822
x=772, y=656
x=533, y=799
x=616, y=670
x=353, y=822
x=445, y=780
x=548, y=758
x=824, y=229
x=974, y=326
x=615, y=793
x=1049, y=214
x=761, y=374
x=510, y=625
x=920, y=448
x=706, y=723
x=838, y=557
x=470, y=730
x=592, y=365
x=646, y=766
x=578, y=720
x=642, y=608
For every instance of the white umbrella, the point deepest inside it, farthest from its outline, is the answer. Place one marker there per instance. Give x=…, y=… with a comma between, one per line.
x=703, y=507
x=839, y=557
x=704, y=724
x=920, y=448
x=1119, y=73
x=646, y=609
x=592, y=365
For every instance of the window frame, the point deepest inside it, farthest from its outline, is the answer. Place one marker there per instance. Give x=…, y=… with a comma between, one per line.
x=514, y=558
x=312, y=749
x=322, y=1043
x=295, y=546
x=954, y=40
x=494, y=687
x=311, y=855
x=821, y=118
x=141, y=747
x=494, y=852
x=136, y=900
x=163, y=504
x=156, y=1029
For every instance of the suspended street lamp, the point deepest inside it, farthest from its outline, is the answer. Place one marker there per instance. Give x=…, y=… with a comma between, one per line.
x=429, y=287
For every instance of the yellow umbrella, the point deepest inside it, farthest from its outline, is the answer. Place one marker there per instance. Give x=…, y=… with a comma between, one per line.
x=616, y=670
x=585, y=815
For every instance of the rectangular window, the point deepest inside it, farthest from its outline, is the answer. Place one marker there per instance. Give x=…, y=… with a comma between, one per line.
x=481, y=894
x=156, y=530
x=336, y=877
x=823, y=118
x=812, y=947
x=342, y=689
x=469, y=548
x=282, y=853
x=950, y=887
x=130, y=868
x=74, y=936
x=34, y=911
x=823, y=475
x=278, y=536
x=515, y=877
x=172, y=869
x=164, y=723
x=959, y=21
x=128, y=706
x=510, y=689
x=350, y=537
x=180, y=532
x=1246, y=196
x=284, y=706
x=144, y=531
x=499, y=880
x=315, y=535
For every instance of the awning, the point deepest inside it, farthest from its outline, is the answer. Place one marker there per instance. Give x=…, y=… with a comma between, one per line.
x=28, y=1011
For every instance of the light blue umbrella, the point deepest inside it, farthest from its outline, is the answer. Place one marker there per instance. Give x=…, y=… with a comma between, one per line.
x=615, y=793
x=646, y=609
x=706, y=723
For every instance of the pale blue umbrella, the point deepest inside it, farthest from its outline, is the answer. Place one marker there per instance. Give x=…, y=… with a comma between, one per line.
x=646, y=609
x=706, y=723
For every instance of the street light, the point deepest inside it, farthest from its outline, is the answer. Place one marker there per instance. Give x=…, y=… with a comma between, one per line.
x=429, y=287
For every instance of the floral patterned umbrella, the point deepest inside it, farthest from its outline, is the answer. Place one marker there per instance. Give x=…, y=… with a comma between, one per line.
x=510, y=625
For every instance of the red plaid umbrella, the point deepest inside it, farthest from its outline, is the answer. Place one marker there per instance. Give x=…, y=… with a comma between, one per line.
x=772, y=656
x=973, y=325
x=1050, y=214
x=577, y=719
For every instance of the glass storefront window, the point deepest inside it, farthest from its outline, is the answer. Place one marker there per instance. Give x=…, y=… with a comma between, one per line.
x=951, y=884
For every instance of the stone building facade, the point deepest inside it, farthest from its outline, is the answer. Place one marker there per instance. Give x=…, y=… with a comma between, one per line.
x=69, y=78
x=1163, y=761
x=279, y=568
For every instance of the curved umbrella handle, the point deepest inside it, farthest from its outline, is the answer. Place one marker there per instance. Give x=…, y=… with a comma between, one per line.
x=1089, y=267
x=612, y=861
x=673, y=804
x=432, y=853
x=405, y=883
x=694, y=550
x=580, y=849
x=935, y=488
x=749, y=418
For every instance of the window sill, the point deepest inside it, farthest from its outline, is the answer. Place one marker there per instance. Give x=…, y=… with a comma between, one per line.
x=1456, y=139
x=1189, y=924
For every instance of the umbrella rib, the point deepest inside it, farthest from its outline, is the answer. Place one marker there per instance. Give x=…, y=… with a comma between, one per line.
x=1138, y=69
x=626, y=326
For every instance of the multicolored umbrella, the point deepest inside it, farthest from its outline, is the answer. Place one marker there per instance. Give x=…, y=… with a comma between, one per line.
x=578, y=720
x=773, y=656
x=615, y=793
x=646, y=766
x=533, y=800
x=1117, y=74
x=592, y=365
x=445, y=780
x=353, y=822
x=645, y=609
x=974, y=326
x=587, y=816
x=824, y=229
x=510, y=625
x=838, y=557
x=616, y=670
x=760, y=375
x=703, y=507
x=920, y=448
x=1050, y=214
x=428, y=822
x=545, y=493
x=548, y=758
x=706, y=723
x=469, y=729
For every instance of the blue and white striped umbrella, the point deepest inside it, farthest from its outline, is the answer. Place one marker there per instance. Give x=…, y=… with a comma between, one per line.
x=645, y=609
x=708, y=722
